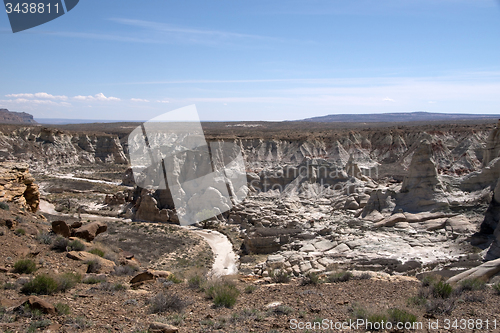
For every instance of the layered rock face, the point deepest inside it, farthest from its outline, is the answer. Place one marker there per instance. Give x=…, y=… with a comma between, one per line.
x=491, y=224
x=49, y=147
x=492, y=149
x=17, y=185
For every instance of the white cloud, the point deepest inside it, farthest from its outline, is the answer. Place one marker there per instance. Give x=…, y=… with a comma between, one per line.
x=96, y=97
x=38, y=95
x=163, y=101
x=387, y=99
x=139, y=100
x=34, y=101
x=49, y=96
x=20, y=95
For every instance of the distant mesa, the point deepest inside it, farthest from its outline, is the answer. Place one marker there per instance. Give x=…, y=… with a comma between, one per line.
x=399, y=117
x=11, y=117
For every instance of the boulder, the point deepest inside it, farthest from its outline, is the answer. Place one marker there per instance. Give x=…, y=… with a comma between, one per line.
x=143, y=276
x=424, y=216
x=263, y=245
x=36, y=303
x=148, y=209
x=76, y=225
x=275, y=261
x=149, y=275
x=381, y=200
x=324, y=245
x=91, y=230
x=61, y=228
x=433, y=225
x=156, y=327
x=459, y=225
x=483, y=272
x=390, y=221
x=479, y=180
x=351, y=204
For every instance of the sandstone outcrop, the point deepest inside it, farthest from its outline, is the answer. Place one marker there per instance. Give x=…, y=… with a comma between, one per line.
x=17, y=185
x=90, y=231
x=421, y=187
x=149, y=206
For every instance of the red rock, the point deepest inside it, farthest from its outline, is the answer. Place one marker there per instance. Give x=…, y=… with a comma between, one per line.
x=61, y=228
x=76, y=225
x=37, y=303
x=91, y=230
x=155, y=327
x=144, y=276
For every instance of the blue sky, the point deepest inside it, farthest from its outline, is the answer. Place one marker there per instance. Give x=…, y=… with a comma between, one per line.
x=255, y=60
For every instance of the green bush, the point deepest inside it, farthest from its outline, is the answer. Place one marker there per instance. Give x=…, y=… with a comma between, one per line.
x=496, y=287
x=196, y=282
x=223, y=293
x=168, y=302
x=419, y=300
x=174, y=279
x=9, y=285
x=4, y=205
x=97, y=252
x=250, y=289
x=376, y=318
x=125, y=270
x=93, y=280
x=44, y=238
x=62, y=309
x=441, y=289
x=401, y=316
x=67, y=281
x=429, y=280
x=472, y=284
x=311, y=278
x=40, y=285
x=282, y=310
x=20, y=232
x=35, y=325
x=60, y=244
x=24, y=266
x=342, y=276
x=279, y=276
x=93, y=266
x=76, y=245
x=107, y=286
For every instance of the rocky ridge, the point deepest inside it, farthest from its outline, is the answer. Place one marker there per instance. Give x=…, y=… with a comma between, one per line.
x=11, y=117
x=18, y=186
